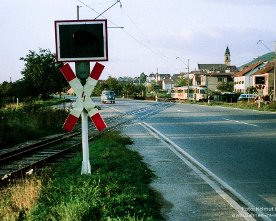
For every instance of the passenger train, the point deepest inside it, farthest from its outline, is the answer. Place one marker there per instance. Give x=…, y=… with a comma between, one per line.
x=196, y=93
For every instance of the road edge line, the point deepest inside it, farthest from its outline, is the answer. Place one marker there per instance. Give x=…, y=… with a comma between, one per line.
x=206, y=174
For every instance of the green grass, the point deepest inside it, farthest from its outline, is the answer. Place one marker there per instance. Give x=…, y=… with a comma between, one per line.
x=246, y=105
x=117, y=189
x=30, y=121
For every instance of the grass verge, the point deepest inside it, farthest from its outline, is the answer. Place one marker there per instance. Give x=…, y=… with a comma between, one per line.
x=245, y=105
x=30, y=121
x=117, y=189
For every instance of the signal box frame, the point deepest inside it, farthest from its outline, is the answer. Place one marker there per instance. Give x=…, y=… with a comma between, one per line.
x=72, y=26
x=260, y=80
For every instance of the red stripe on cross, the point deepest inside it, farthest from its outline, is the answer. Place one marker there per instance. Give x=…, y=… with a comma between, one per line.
x=70, y=122
x=97, y=71
x=67, y=72
x=98, y=121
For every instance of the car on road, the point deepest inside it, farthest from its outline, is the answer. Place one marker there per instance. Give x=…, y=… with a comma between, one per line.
x=108, y=96
x=245, y=97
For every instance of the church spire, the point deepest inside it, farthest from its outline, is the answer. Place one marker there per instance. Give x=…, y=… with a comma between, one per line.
x=227, y=59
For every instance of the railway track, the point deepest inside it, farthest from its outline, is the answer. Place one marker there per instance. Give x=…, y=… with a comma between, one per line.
x=23, y=159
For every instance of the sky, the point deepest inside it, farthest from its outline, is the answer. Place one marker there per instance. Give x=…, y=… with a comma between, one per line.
x=154, y=33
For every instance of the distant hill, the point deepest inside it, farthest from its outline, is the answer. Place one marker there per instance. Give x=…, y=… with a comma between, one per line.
x=266, y=57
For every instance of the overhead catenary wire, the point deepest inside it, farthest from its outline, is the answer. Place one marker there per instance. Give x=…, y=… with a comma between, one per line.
x=98, y=13
x=261, y=41
x=118, y=1
x=140, y=42
x=148, y=42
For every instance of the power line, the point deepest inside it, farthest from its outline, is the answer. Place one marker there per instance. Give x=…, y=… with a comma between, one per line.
x=99, y=13
x=146, y=44
x=157, y=53
x=261, y=41
x=118, y=1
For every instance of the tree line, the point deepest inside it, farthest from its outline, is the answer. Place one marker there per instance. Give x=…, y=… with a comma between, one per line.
x=41, y=78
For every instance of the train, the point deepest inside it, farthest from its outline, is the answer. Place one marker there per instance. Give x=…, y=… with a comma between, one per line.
x=196, y=93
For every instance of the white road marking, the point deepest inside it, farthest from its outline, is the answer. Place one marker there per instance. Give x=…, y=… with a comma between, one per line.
x=240, y=122
x=216, y=183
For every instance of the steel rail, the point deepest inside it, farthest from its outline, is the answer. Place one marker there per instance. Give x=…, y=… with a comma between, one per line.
x=20, y=161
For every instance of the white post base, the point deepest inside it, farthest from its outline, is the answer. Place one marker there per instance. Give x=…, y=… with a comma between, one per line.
x=85, y=168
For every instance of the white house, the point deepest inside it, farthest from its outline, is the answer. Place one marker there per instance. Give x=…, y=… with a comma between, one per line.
x=168, y=85
x=151, y=78
x=243, y=79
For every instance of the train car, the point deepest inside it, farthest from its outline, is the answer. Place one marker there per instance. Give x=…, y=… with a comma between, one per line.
x=196, y=93
x=200, y=93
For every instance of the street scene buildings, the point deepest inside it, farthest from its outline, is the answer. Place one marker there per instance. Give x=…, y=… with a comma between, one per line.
x=220, y=78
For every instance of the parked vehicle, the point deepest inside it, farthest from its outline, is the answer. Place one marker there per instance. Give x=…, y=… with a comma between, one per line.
x=108, y=96
x=245, y=97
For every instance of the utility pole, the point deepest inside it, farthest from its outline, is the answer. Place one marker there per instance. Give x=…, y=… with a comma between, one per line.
x=188, y=94
x=188, y=67
x=274, y=75
x=78, y=12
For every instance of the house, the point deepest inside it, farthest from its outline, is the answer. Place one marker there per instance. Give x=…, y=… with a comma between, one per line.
x=176, y=77
x=151, y=78
x=168, y=85
x=196, y=77
x=157, y=77
x=212, y=75
x=266, y=74
x=212, y=80
x=161, y=77
x=243, y=78
x=165, y=81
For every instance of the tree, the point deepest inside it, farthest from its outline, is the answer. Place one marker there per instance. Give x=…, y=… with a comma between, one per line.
x=41, y=74
x=113, y=84
x=149, y=88
x=110, y=84
x=251, y=90
x=143, y=78
x=183, y=81
x=7, y=92
x=128, y=89
x=226, y=87
x=100, y=86
x=7, y=89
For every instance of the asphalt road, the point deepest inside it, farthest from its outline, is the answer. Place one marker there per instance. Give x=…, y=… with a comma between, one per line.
x=238, y=146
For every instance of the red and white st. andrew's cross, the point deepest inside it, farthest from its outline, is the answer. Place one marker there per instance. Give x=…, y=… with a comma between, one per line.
x=83, y=94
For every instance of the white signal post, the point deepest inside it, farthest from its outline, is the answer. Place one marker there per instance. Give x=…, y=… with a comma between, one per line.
x=86, y=167
x=84, y=106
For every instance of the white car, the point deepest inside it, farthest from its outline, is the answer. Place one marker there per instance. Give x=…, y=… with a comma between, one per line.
x=245, y=97
x=108, y=96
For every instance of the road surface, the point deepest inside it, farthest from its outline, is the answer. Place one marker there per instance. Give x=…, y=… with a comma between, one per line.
x=238, y=146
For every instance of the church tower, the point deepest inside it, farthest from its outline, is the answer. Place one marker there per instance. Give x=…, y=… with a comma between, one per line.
x=227, y=59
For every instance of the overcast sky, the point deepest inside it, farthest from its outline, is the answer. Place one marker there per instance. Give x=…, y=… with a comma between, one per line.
x=155, y=32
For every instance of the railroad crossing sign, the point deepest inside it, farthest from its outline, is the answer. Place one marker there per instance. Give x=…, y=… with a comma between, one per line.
x=83, y=94
x=82, y=41
x=260, y=89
